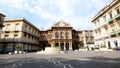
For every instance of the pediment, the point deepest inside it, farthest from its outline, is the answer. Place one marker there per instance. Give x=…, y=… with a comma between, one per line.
x=61, y=23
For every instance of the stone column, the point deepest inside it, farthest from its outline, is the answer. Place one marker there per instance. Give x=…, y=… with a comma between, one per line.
x=70, y=45
x=64, y=46
x=52, y=44
x=59, y=45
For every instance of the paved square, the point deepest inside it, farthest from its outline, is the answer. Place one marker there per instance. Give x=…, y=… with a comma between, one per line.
x=71, y=59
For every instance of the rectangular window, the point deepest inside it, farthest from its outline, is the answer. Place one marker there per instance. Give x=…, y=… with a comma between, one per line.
x=6, y=36
x=7, y=27
x=104, y=17
x=117, y=10
x=113, y=29
x=15, y=37
x=98, y=22
x=110, y=14
x=16, y=27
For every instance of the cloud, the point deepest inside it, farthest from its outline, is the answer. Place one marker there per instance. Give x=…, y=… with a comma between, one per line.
x=43, y=13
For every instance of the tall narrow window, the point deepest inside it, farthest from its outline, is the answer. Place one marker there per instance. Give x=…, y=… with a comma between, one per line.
x=67, y=35
x=15, y=37
x=44, y=36
x=113, y=28
x=104, y=17
x=110, y=14
x=98, y=22
x=61, y=35
x=117, y=10
x=7, y=27
x=57, y=35
x=6, y=36
x=16, y=27
x=50, y=36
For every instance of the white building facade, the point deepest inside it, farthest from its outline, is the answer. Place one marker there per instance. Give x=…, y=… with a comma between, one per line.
x=107, y=26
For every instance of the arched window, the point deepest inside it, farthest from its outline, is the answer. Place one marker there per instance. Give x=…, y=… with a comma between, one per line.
x=56, y=35
x=67, y=34
x=50, y=36
x=61, y=35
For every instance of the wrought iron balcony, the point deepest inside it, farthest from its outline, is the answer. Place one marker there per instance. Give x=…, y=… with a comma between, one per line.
x=16, y=30
x=113, y=33
x=117, y=16
x=118, y=31
x=9, y=40
x=110, y=20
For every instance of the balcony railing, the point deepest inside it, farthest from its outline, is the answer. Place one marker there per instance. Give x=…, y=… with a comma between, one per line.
x=110, y=20
x=117, y=16
x=16, y=30
x=31, y=33
x=113, y=33
x=9, y=40
x=30, y=41
x=118, y=31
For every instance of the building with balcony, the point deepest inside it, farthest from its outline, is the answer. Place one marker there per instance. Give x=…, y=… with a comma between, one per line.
x=107, y=26
x=19, y=31
x=63, y=36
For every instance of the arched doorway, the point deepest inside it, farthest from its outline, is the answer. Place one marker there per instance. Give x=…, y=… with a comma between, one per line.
x=56, y=44
x=62, y=46
x=109, y=46
x=67, y=46
x=116, y=43
x=44, y=45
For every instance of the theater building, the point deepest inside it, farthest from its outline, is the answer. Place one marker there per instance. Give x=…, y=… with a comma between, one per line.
x=63, y=36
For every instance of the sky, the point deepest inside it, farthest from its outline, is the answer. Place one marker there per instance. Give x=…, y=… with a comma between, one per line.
x=44, y=13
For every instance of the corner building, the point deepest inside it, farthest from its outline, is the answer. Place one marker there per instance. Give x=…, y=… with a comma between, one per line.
x=107, y=25
x=19, y=31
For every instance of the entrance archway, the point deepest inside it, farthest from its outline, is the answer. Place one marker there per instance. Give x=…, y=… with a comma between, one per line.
x=56, y=44
x=109, y=46
x=44, y=45
x=67, y=46
x=62, y=46
x=116, y=43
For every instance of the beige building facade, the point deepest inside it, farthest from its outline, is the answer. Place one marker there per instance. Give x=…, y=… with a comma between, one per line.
x=19, y=32
x=107, y=26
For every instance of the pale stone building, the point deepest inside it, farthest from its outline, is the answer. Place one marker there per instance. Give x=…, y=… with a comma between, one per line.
x=63, y=36
x=19, y=31
x=107, y=25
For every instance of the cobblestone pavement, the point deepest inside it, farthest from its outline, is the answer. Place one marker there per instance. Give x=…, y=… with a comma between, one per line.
x=71, y=59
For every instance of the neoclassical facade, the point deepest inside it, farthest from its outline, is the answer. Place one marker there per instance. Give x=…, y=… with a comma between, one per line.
x=107, y=25
x=63, y=36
